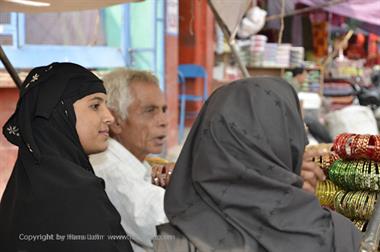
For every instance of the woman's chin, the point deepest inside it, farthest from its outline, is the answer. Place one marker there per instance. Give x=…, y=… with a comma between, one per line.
x=98, y=149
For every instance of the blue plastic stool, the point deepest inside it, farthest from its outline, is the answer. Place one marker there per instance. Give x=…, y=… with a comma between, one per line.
x=189, y=71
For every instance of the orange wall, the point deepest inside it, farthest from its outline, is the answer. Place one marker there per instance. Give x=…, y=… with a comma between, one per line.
x=171, y=89
x=8, y=152
x=196, y=41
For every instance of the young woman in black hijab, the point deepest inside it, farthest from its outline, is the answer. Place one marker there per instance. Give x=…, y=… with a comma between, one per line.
x=236, y=185
x=53, y=201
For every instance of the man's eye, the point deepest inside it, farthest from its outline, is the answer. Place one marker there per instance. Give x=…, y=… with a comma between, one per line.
x=149, y=110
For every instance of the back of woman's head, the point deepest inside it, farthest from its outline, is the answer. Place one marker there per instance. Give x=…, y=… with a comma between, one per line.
x=262, y=114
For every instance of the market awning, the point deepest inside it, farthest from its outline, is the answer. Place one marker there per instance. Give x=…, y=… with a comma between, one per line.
x=230, y=13
x=32, y=6
x=364, y=10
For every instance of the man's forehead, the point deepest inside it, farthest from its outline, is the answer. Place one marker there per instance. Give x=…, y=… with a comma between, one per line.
x=156, y=102
x=140, y=86
x=148, y=94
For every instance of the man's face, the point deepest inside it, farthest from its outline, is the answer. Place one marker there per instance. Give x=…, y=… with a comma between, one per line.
x=145, y=129
x=302, y=77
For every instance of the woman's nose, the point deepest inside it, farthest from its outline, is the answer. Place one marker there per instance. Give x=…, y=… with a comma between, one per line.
x=108, y=117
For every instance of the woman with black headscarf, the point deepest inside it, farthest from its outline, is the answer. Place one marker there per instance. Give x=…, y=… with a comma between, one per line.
x=53, y=201
x=236, y=185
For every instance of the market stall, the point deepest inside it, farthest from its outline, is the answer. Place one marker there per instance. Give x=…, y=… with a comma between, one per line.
x=339, y=61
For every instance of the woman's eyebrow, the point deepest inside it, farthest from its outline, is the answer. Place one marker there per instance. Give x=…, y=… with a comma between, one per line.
x=97, y=98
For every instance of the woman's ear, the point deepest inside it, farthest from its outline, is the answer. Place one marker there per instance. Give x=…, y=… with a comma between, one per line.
x=116, y=126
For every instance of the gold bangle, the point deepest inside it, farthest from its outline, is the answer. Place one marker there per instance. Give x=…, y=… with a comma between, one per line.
x=360, y=224
x=362, y=205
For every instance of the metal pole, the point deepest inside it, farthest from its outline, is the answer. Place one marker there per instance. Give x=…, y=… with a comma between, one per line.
x=370, y=242
x=8, y=66
x=242, y=66
x=304, y=10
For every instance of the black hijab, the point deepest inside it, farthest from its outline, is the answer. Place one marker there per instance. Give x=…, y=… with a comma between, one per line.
x=52, y=189
x=236, y=185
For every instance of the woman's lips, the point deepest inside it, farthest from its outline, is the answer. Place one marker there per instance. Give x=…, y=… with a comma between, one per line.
x=104, y=132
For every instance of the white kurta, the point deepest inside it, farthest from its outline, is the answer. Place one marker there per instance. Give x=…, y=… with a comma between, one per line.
x=129, y=187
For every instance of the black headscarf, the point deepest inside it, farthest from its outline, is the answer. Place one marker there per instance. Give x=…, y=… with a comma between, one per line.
x=52, y=189
x=236, y=185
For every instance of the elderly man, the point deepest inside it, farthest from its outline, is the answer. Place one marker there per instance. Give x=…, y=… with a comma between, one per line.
x=140, y=128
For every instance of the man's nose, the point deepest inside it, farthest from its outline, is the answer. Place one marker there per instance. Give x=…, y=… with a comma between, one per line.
x=163, y=119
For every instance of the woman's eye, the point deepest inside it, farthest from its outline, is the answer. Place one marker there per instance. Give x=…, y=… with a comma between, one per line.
x=95, y=106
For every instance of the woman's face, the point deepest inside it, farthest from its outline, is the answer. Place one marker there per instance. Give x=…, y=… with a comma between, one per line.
x=92, y=122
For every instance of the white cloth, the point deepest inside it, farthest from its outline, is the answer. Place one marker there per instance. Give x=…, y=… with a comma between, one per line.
x=129, y=187
x=310, y=100
x=352, y=119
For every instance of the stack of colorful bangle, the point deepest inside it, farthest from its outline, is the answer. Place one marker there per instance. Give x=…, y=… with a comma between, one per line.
x=325, y=192
x=356, y=146
x=355, y=205
x=357, y=171
x=356, y=174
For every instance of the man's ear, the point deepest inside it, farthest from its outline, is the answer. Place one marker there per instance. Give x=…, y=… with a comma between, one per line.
x=116, y=126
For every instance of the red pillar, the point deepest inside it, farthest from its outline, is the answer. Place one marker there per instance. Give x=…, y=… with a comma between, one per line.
x=196, y=43
x=171, y=64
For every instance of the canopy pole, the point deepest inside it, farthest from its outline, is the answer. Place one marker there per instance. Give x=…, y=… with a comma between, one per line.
x=234, y=49
x=9, y=67
x=370, y=242
x=331, y=56
x=304, y=10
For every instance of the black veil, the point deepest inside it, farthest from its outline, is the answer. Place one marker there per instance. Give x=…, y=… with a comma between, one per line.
x=236, y=185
